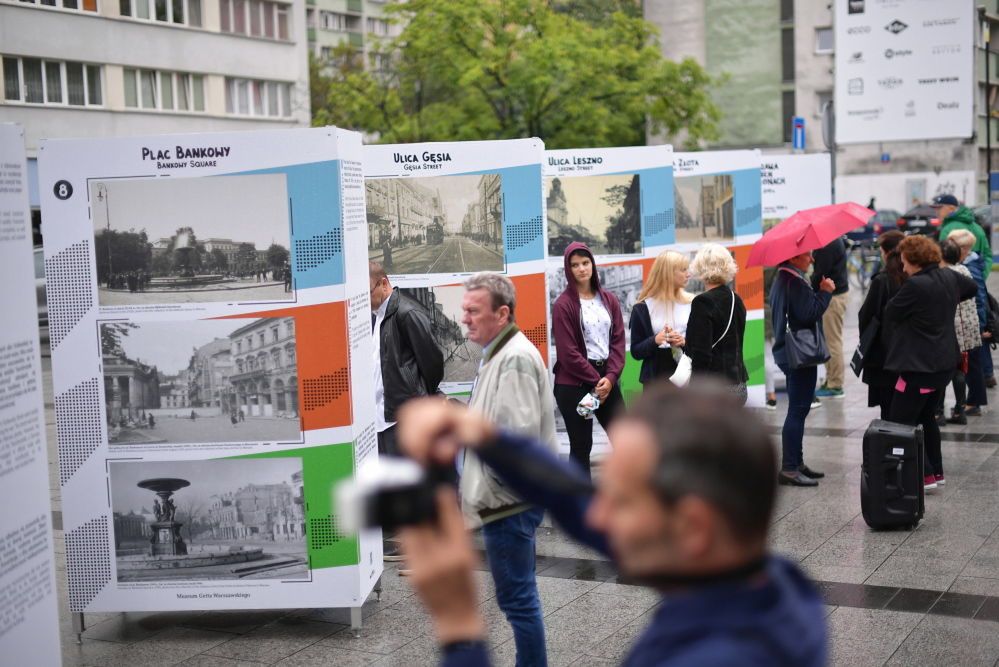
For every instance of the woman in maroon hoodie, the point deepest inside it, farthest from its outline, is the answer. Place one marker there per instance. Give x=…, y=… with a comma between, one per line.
x=589, y=348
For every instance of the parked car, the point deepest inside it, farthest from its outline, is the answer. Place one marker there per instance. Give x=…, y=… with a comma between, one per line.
x=881, y=221
x=43, y=304
x=921, y=219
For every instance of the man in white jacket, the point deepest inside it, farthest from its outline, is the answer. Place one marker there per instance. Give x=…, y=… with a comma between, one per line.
x=512, y=390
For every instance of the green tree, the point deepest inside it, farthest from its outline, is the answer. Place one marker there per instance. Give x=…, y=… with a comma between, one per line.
x=497, y=69
x=121, y=252
x=219, y=261
x=112, y=334
x=246, y=257
x=277, y=255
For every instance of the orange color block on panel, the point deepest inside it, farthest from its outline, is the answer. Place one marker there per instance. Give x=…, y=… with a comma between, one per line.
x=748, y=282
x=532, y=310
x=321, y=344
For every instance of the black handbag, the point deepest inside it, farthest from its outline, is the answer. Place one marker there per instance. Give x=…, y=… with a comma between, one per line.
x=807, y=347
x=867, y=338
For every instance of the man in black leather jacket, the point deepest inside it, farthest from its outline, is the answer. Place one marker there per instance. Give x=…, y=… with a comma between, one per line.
x=408, y=362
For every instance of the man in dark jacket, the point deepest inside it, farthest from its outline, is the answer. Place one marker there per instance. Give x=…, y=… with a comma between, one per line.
x=669, y=517
x=407, y=362
x=830, y=262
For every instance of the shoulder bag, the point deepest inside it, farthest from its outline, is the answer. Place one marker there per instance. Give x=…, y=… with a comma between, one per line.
x=805, y=347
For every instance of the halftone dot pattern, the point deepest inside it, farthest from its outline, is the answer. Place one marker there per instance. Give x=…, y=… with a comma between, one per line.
x=537, y=335
x=658, y=223
x=88, y=561
x=745, y=216
x=322, y=390
x=524, y=233
x=68, y=289
x=324, y=531
x=78, y=426
x=316, y=251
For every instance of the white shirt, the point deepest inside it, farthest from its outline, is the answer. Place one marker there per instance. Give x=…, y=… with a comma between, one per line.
x=380, y=422
x=673, y=313
x=596, y=328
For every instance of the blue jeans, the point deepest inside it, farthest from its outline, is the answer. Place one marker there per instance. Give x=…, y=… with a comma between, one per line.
x=510, y=552
x=987, y=368
x=800, y=393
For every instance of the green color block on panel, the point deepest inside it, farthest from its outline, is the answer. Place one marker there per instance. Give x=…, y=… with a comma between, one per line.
x=322, y=468
x=630, y=386
x=752, y=352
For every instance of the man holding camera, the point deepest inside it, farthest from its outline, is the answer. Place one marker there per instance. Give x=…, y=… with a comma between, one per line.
x=407, y=362
x=683, y=505
x=511, y=389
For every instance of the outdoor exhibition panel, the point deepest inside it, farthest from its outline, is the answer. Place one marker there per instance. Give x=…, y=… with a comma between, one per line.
x=209, y=305
x=791, y=183
x=439, y=212
x=619, y=202
x=29, y=619
x=904, y=70
x=718, y=200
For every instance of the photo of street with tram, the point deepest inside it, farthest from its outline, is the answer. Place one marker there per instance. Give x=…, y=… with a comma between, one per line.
x=443, y=307
x=191, y=240
x=209, y=520
x=232, y=380
x=440, y=224
x=604, y=212
x=705, y=208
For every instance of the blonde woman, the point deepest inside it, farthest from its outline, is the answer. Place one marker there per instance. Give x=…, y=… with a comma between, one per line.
x=659, y=319
x=717, y=320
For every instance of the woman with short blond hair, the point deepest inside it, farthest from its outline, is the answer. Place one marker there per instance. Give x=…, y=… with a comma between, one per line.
x=717, y=321
x=659, y=319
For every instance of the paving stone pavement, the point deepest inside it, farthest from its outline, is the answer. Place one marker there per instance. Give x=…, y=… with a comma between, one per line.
x=898, y=598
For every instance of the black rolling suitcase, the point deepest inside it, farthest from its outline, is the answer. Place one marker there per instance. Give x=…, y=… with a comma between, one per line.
x=891, y=475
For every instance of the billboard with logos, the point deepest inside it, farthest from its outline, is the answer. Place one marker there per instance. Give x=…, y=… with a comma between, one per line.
x=904, y=70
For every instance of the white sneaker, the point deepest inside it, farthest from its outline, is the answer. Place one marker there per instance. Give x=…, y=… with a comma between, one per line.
x=816, y=403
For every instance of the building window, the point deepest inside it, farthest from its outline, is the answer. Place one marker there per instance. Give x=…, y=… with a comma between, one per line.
x=333, y=21
x=786, y=10
x=787, y=54
x=289, y=328
x=78, y=5
x=180, y=12
x=822, y=98
x=787, y=111
x=36, y=81
x=379, y=27
x=164, y=91
x=245, y=97
x=256, y=18
x=274, y=334
x=823, y=40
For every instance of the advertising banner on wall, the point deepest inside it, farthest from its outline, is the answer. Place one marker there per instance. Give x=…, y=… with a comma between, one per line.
x=718, y=200
x=904, y=70
x=902, y=191
x=206, y=296
x=29, y=619
x=440, y=212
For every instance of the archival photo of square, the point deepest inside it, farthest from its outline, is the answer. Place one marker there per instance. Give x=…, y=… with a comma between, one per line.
x=231, y=380
x=705, y=208
x=192, y=240
x=443, y=307
x=604, y=212
x=440, y=224
x=209, y=520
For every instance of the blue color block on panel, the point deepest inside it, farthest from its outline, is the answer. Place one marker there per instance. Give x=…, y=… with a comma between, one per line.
x=748, y=205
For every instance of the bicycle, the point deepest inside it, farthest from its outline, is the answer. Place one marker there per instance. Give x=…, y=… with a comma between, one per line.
x=863, y=260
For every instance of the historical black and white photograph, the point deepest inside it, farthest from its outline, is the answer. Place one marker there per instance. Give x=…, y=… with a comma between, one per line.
x=604, y=212
x=192, y=240
x=208, y=520
x=441, y=224
x=231, y=380
x=443, y=307
x=705, y=208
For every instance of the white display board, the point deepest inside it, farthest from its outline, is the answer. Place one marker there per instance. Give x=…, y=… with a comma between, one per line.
x=901, y=191
x=905, y=70
x=207, y=296
x=29, y=619
x=793, y=183
x=439, y=212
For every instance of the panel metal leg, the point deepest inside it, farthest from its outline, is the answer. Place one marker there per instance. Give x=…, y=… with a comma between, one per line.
x=355, y=621
x=378, y=590
x=78, y=625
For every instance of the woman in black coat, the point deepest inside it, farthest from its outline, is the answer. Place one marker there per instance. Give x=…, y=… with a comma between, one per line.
x=923, y=348
x=717, y=322
x=884, y=285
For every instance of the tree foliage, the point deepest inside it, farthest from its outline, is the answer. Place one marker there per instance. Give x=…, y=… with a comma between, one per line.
x=277, y=255
x=121, y=252
x=112, y=334
x=496, y=69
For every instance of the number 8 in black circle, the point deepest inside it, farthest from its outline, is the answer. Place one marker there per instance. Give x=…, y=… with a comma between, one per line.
x=63, y=190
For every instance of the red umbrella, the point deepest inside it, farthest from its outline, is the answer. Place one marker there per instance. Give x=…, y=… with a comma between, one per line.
x=807, y=230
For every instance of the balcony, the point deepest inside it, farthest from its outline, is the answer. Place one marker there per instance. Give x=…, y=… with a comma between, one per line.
x=254, y=374
x=311, y=33
x=356, y=39
x=356, y=6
